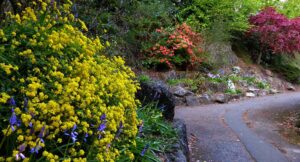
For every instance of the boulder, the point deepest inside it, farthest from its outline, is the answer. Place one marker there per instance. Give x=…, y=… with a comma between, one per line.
x=180, y=92
x=205, y=99
x=269, y=73
x=156, y=91
x=221, y=53
x=192, y=101
x=221, y=98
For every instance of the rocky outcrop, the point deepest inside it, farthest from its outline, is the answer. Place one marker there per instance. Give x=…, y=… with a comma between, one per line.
x=180, y=151
x=221, y=53
x=157, y=91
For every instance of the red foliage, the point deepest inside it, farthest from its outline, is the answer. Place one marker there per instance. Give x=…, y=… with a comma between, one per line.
x=181, y=46
x=276, y=31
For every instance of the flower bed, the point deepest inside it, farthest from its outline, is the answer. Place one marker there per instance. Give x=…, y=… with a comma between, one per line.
x=61, y=100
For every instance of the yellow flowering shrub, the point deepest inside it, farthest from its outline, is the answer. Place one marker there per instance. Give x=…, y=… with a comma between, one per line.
x=61, y=100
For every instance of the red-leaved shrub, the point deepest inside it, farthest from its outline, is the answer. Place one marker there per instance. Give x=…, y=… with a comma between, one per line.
x=276, y=31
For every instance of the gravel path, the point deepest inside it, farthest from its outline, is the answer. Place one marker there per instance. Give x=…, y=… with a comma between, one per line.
x=235, y=132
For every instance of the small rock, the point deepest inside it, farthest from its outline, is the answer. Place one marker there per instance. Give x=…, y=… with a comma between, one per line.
x=236, y=69
x=270, y=79
x=262, y=93
x=179, y=101
x=192, y=101
x=221, y=98
x=243, y=83
x=250, y=94
x=269, y=73
x=236, y=96
x=273, y=91
x=216, y=87
x=252, y=89
x=231, y=85
x=290, y=87
x=205, y=99
x=180, y=92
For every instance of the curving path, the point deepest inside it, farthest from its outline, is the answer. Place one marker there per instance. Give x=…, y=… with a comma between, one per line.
x=237, y=132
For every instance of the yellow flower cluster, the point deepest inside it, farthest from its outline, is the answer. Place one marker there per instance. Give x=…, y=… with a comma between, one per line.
x=72, y=103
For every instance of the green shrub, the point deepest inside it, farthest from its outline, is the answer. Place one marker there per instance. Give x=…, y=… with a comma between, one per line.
x=144, y=78
x=156, y=136
x=222, y=20
x=287, y=67
x=61, y=100
x=218, y=17
x=126, y=24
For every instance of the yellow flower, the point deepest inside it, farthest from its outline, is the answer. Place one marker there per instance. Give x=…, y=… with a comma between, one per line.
x=13, y=33
x=20, y=138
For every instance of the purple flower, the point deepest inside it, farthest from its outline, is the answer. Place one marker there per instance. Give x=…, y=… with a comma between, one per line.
x=75, y=12
x=20, y=155
x=25, y=103
x=119, y=130
x=102, y=127
x=13, y=121
x=41, y=134
x=22, y=148
x=85, y=137
x=31, y=128
x=35, y=149
x=144, y=150
x=12, y=102
x=103, y=117
x=73, y=134
x=141, y=129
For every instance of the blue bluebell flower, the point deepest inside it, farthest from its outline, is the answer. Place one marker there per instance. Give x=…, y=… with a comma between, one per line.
x=119, y=130
x=35, y=149
x=144, y=150
x=12, y=102
x=141, y=129
x=73, y=134
x=13, y=121
x=102, y=127
x=85, y=137
x=20, y=155
x=25, y=104
x=103, y=117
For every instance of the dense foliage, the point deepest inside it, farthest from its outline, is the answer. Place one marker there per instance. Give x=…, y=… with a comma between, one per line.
x=276, y=31
x=61, y=100
x=218, y=17
x=179, y=47
x=126, y=24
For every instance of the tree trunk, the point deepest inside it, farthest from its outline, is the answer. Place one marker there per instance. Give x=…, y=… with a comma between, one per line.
x=258, y=61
